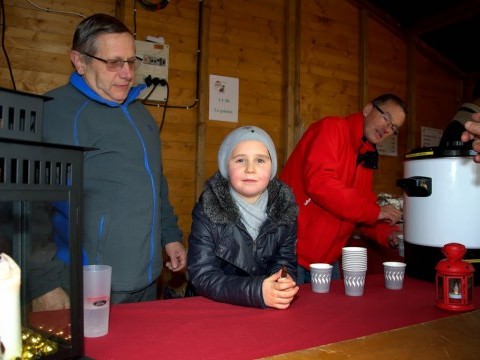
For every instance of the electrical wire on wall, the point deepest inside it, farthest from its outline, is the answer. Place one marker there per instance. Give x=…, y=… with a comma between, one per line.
x=149, y=81
x=148, y=5
x=154, y=82
x=55, y=11
x=197, y=85
x=134, y=15
x=164, y=109
x=4, y=49
x=4, y=26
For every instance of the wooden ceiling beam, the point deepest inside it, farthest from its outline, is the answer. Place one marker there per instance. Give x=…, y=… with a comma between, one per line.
x=460, y=11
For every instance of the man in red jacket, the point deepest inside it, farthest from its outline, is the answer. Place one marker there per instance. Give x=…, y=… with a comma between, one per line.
x=331, y=174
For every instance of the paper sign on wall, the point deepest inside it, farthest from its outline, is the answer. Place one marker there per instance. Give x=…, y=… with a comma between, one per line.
x=388, y=146
x=223, y=102
x=430, y=136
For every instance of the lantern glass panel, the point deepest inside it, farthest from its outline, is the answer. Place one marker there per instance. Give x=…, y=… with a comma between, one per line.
x=40, y=207
x=455, y=289
x=440, y=290
x=470, y=290
x=27, y=235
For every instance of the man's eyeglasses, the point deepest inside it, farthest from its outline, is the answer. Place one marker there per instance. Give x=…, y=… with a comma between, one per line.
x=387, y=118
x=117, y=64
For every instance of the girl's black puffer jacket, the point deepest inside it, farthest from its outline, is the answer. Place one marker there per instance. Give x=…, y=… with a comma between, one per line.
x=224, y=262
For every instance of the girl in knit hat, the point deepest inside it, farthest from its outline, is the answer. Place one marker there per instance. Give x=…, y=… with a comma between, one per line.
x=244, y=227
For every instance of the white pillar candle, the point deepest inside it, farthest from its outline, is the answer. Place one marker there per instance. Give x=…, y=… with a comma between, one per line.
x=10, y=323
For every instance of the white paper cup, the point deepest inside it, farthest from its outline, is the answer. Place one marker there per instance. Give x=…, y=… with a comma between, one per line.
x=354, y=258
x=354, y=249
x=354, y=282
x=321, y=275
x=394, y=274
x=97, y=281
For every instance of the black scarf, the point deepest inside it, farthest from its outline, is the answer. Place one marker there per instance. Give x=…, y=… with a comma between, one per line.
x=368, y=159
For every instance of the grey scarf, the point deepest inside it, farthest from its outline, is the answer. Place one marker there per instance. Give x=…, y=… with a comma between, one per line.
x=253, y=215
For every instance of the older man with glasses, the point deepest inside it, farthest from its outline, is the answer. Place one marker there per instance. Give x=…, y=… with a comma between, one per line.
x=128, y=219
x=331, y=174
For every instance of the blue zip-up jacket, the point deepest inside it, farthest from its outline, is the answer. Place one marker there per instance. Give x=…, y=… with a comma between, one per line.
x=127, y=215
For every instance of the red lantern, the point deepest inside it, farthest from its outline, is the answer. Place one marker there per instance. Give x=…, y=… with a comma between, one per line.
x=454, y=279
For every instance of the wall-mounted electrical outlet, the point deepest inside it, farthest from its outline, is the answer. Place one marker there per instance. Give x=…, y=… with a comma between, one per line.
x=154, y=63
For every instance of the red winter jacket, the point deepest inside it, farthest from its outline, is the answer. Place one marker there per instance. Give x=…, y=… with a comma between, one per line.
x=333, y=193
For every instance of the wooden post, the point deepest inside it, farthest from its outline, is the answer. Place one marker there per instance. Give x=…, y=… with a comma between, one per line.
x=411, y=94
x=202, y=114
x=292, y=106
x=363, y=58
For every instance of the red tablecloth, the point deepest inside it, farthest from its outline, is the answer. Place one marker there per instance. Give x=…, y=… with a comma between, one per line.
x=198, y=328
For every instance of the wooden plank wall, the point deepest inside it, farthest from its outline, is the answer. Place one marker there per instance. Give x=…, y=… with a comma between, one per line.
x=245, y=39
x=38, y=42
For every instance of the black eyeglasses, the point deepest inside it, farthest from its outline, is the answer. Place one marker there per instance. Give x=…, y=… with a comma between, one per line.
x=117, y=64
x=387, y=118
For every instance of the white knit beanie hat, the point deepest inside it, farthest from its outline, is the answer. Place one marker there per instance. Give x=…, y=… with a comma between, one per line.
x=241, y=134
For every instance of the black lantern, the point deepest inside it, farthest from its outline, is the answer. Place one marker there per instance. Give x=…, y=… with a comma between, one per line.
x=35, y=178
x=454, y=280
